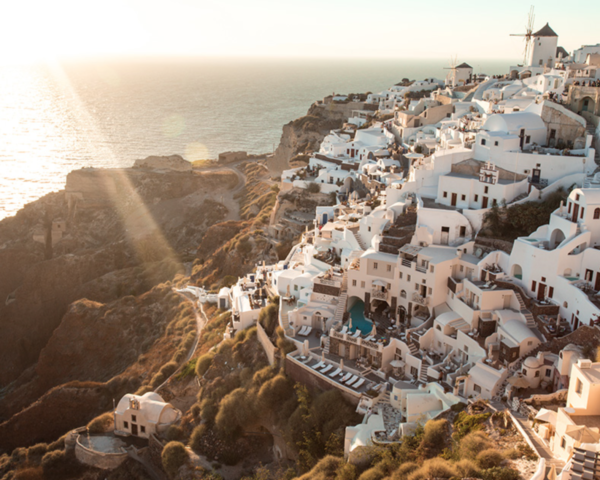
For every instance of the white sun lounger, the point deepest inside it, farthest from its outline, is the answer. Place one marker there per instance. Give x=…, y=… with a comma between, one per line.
x=335, y=373
x=308, y=330
x=345, y=377
x=352, y=380
x=327, y=368
x=302, y=331
x=318, y=365
x=357, y=333
x=359, y=383
x=344, y=329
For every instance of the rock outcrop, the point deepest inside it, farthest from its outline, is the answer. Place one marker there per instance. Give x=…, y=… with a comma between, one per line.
x=173, y=162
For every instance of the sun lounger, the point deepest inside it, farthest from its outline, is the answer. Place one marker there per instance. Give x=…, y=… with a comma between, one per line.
x=327, y=368
x=357, y=333
x=345, y=377
x=359, y=383
x=318, y=365
x=302, y=331
x=308, y=330
x=352, y=380
x=335, y=373
x=344, y=329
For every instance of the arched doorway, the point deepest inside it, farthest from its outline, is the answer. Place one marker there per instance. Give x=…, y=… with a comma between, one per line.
x=514, y=74
x=556, y=238
x=587, y=104
x=517, y=271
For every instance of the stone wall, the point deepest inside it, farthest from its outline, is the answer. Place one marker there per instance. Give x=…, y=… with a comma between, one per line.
x=104, y=461
x=266, y=343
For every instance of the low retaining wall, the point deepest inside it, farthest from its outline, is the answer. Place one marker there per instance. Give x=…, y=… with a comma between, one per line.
x=104, y=461
x=266, y=343
x=301, y=374
x=559, y=395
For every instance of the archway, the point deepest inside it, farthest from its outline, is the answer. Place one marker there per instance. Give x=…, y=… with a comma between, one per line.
x=514, y=74
x=517, y=271
x=556, y=238
x=525, y=74
x=587, y=104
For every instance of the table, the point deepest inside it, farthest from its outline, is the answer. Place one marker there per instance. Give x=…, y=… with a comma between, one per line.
x=470, y=334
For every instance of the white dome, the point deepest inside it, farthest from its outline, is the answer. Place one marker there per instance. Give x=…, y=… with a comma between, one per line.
x=531, y=362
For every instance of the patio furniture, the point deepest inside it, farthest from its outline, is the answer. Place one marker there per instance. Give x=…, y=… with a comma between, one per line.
x=335, y=373
x=327, y=368
x=318, y=365
x=359, y=383
x=302, y=331
x=345, y=377
x=352, y=380
x=344, y=329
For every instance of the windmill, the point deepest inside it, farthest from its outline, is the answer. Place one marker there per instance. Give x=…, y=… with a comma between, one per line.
x=528, y=35
x=453, y=62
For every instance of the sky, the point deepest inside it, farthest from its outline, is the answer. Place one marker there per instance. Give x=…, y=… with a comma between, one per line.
x=32, y=30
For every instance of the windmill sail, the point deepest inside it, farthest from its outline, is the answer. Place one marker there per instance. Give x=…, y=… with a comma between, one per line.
x=528, y=35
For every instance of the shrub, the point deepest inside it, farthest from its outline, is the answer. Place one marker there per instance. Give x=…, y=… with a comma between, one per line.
x=57, y=444
x=28, y=473
x=466, y=468
x=101, y=424
x=203, y=364
x=498, y=473
x=268, y=318
x=209, y=410
x=174, y=432
x=313, y=187
x=263, y=375
x=174, y=455
x=234, y=412
x=434, y=468
x=489, y=458
x=56, y=465
x=36, y=452
x=434, y=438
x=196, y=437
x=373, y=473
x=473, y=444
x=274, y=392
x=465, y=423
x=404, y=470
x=326, y=468
x=195, y=410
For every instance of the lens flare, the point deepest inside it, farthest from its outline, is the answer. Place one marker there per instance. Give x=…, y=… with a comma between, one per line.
x=173, y=126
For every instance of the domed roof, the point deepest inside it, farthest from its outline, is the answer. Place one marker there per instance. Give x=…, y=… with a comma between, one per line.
x=531, y=362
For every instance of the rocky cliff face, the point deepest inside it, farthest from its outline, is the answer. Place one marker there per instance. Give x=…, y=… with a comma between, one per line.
x=305, y=134
x=118, y=225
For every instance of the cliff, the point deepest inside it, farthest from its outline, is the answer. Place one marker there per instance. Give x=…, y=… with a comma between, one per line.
x=305, y=134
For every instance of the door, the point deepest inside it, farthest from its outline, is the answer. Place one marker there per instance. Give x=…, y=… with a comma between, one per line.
x=445, y=235
x=541, y=291
x=484, y=202
x=522, y=138
x=453, y=203
x=535, y=175
x=325, y=218
x=575, y=212
x=134, y=429
x=597, y=286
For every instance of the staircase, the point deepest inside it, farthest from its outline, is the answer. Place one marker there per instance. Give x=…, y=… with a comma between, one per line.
x=525, y=312
x=326, y=348
x=285, y=323
x=414, y=350
x=423, y=372
x=359, y=240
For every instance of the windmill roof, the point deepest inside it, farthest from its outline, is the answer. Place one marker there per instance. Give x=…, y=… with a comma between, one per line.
x=545, y=31
x=464, y=65
x=561, y=50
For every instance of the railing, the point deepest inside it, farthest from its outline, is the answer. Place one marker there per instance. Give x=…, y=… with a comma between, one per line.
x=421, y=269
x=419, y=299
x=406, y=263
x=378, y=294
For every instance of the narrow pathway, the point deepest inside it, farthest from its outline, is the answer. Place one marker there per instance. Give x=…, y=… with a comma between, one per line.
x=541, y=447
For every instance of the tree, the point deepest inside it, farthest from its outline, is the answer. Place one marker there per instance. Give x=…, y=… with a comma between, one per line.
x=173, y=456
x=313, y=187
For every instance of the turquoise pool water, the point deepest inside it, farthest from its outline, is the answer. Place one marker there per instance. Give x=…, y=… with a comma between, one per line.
x=358, y=319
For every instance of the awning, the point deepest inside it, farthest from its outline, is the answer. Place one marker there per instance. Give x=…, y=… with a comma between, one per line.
x=545, y=415
x=381, y=283
x=397, y=363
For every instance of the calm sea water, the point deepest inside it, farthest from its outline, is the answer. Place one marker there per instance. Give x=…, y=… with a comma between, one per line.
x=60, y=117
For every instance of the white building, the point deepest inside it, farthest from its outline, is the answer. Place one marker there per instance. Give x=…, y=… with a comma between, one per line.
x=142, y=416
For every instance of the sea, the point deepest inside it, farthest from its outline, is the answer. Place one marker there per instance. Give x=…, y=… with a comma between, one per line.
x=59, y=116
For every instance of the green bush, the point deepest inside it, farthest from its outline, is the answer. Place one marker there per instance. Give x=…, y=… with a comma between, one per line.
x=466, y=469
x=235, y=412
x=196, y=437
x=195, y=411
x=174, y=432
x=434, y=468
x=489, y=458
x=36, y=452
x=465, y=423
x=101, y=424
x=498, y=473
x=325, y=469
x=373, y=473
x=173, y=456
x=473, y=444
x=313, y=187
x=58, y=465
x=208, y=410
x=404, y=471
x=268, y=318
x=203, y=364
x=434, y=438
x=275, y=392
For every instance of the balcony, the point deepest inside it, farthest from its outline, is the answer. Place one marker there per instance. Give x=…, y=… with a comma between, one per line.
x=378, y=294
x=419, y=299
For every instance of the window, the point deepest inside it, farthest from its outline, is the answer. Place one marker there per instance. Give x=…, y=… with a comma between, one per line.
x=431, y=268
x=543, y=279
x=550, y=292
x=463, y=231
x=369, y=229
x=295, y=288
x=476, y=388
x=533, y=285
x=537, y=374
x=476, y=198
x=439, y=328
x=576, y=197
x=528, y=139
x=400, y=275
x=143, y=429
x=133, y=418
x=375, y=265
x=483, y=141
x=563, y=443
x=413, y=371
x=429, y=290
x=466, y=349
x=408, y=278
x=362, y=284
x=461, y=268
x=579, y=387
x=389, y=268
x=354, y=283
x=417, y=286
x=597, y=214
x=548, y=372
x=403, y=294
x=529, y=343
x=463, y=197
x=445, y=195
x=582, y=209
x=486, y=189
x=495, y=144
x=125, y=424
x=524, y=371
x=396, y=397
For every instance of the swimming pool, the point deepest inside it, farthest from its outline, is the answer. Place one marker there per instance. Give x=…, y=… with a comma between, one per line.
x=358, y=319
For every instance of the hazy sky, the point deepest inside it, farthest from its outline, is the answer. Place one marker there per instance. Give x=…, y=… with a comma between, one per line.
x=32, y=29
